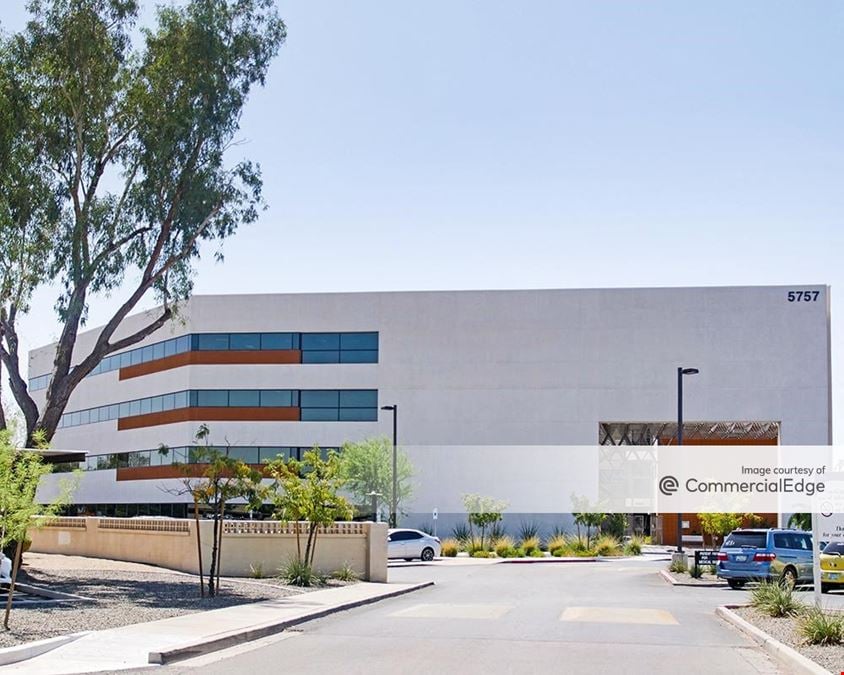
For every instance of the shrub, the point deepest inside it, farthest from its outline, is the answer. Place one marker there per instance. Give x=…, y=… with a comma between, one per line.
x=559, y=552
x=695, y=571
x=503, y=545
x=480, y=554
x=634, y=546
x=450, y=547
x=256, y=570
x=511, y=552
x=775, y=600
x=607, y=545
x=679, y=566
x=528, y=529
x=496, y=532
x=475, y=545
x=346, y=573
x=555, y=542
x=537, y=553
x=531, y=544
x=298, y=573
x=461, y=533
x=821, y=628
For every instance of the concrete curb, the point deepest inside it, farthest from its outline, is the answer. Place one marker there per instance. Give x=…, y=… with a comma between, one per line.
x=18, y=653
x=787, y=656
x=257, y=631
x=671, y=580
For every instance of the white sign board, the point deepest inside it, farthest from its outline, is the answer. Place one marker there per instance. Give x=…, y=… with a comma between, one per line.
x=831, y=527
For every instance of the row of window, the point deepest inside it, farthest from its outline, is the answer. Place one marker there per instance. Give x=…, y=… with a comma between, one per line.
x=184, y=455
x=315, y=348
x=316, y=405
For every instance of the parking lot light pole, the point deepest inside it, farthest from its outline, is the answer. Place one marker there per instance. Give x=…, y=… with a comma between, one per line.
x=394, y=496
x=680, y=373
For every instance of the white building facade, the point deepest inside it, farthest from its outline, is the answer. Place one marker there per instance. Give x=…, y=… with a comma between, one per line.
x=277, y=373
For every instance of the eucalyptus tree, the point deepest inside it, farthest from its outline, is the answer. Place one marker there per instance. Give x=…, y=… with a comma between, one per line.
x=116, y=165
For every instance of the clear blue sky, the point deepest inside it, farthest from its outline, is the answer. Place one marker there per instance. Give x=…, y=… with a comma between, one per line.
x=542, y=144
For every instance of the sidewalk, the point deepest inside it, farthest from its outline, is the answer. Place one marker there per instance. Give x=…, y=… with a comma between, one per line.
x=132, y=646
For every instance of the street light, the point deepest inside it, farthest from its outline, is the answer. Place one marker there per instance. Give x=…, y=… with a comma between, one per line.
x=680, y=373
x=393, y=497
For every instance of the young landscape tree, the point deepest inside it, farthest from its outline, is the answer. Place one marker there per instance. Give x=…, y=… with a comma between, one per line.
x=116, y=167
x=213, y=478
x=366, y=467
x=309, y=491
x=718, y=525
x=482, y=512
x=20, y=473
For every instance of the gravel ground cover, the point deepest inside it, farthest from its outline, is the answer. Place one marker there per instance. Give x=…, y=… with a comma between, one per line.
x=122, y=594
x=785, y=630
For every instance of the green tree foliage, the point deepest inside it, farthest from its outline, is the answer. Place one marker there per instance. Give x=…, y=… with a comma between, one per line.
x=20, y=473
x=115, y=165
x=717, y=525
x=309, y=491
x=367, y=466
x=482, y=512
x=223, y=479
x=801, y=521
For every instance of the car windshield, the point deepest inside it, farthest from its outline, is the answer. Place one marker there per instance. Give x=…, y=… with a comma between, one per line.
x=834, y=548
x=745, y=540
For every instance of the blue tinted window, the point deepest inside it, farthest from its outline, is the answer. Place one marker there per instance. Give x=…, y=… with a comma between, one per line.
x=158, y=350
x=248, y=455
x=213, y=341
x=169, y=348
x=124, y=410
x=244, y=398
x=320, y=357
x=135, y=357
x=320, y=341
x=359, y=356
x=85, y=417
x=168, y=401
x=156, y=404
x=95, y=415
x=358, y=340
x=276, y=398
x=358, y=415
x=358, y=398
x=212, y=398
x=181, y=399
x=319, y=414
x=183, y=344
x=277, y=341
x=134, y=408
x=245, y=341
x=146, y=406
x=147, y=354
x=114, y=411
x=328, y=398
x=125, y=359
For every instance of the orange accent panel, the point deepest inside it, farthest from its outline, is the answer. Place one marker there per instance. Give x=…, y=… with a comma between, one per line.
x=209, y=415
x=669, y=527
x=169, y=471
x=199, y=358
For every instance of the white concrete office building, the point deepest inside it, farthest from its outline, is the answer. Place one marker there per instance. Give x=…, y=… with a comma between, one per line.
x=277, y=373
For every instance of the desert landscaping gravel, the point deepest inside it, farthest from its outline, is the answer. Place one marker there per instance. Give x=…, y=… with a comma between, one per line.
x=785, y=630
x=121, y=594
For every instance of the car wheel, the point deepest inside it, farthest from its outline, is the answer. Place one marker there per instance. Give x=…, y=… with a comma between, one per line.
x=427, y=554
x=735, y=583
x=788, y=578
x=825, y=588
x=408, y=559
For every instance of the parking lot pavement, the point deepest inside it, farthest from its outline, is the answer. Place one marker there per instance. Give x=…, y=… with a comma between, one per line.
x=581, y=618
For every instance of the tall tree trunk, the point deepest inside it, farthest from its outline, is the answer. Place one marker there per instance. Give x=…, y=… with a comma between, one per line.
x=220, y=543
x=198, y=546
x=213, y=567
x=15, y=567
x=2, y=412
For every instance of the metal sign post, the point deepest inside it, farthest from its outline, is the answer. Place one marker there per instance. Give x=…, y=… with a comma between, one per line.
x=435, y=514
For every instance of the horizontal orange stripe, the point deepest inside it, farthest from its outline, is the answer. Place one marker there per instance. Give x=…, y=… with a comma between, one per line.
x=209, y=415
x=168, y=471
x=198, y=358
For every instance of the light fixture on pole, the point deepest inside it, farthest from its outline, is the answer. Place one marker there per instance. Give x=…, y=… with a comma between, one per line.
x=394, y=496
x=680, y=373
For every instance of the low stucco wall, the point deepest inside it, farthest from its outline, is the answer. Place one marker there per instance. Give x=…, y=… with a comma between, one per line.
x=171, y=543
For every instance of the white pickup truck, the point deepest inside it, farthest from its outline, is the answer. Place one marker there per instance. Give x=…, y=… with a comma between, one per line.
x=5, y=569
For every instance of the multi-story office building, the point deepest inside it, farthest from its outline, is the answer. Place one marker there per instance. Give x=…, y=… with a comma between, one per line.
x=273, y=374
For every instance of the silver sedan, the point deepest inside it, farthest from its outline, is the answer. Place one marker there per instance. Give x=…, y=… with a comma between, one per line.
x=410, y=544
